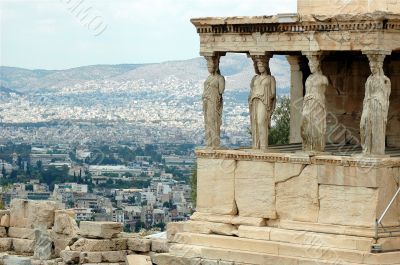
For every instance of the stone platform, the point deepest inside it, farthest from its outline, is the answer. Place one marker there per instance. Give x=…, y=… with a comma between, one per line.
x=258, y=207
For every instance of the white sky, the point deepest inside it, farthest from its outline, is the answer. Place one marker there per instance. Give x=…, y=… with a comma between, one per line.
x=49, y=34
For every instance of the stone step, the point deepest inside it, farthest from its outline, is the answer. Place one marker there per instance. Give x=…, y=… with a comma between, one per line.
x=282, y=249
x=190, y=254
x=306, y=238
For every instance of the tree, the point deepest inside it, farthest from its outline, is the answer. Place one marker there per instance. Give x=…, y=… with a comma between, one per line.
x=161, y=226
x=127, y=228
x=39, y=165
x=14, y=175
x=132, y=200
x=70, y=204
x=280, y=131
x=139, y=226
x=29, y=187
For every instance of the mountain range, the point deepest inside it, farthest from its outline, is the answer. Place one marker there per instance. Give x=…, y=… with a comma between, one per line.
x=158, y=102
x=238, y=70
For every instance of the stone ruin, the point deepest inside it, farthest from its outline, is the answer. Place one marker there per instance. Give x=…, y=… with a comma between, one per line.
x=37, y=233
x=329, y=198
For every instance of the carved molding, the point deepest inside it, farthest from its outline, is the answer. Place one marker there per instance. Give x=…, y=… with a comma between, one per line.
x=299, y=158
x=298, y=27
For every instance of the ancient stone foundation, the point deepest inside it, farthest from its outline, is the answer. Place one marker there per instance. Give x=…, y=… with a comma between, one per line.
x=271, y=208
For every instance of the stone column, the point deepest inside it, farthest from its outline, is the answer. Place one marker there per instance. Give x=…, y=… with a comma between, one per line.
x=376, y=106
x=313, y=122
x=214, y=88
x=262, y=101
x=296, y=98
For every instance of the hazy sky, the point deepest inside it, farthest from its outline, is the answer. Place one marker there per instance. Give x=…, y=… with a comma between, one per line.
x=59, y=34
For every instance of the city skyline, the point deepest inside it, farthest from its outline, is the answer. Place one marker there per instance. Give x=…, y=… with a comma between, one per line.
x=64, y=34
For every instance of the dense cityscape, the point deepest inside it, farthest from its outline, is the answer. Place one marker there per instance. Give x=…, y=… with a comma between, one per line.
x=113, y=143
x=139, y=186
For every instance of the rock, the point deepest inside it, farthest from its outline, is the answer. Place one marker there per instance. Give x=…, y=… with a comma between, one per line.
x=23, y=233
x=98, y=245
x=89, y=257
x=4, y=212
x=43, y=246
x=3, y=232
x=2, y=257
x=104, y=230
x=65, y=230
x=114, y=256
x=103, y=257
x=138, y=260
x=5, y=220
x=61, y=242
x=174, y=228
x=23, y=246
x=32, y=214
x=64, y=223
x=14, y=260
x=70, y=257
x=139, y=244
x=5, y=244
x=159, y=245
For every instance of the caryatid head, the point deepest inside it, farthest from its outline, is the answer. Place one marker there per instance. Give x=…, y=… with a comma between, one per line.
x=261, y=65
x=314, y=63
x=212, y=64
x=376, y=63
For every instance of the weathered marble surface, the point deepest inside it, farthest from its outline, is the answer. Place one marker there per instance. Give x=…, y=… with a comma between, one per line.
x=214, y=88
x=321, y=189
x=261, y=101
x=321, y=7
x=313, y=123
x=375, y=108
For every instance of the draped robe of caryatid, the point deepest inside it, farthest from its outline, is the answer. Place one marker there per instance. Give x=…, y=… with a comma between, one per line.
x=313, y=125
x=261, y=104
x=214, y=87
x=375, y=114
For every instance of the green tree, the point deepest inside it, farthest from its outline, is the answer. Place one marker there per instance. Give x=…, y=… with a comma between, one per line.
x=29, y=187
x=39, y=165
x=132, y=200
x=279, y=132
x=127, y=228
x=139, y=226
x=161, y=226
x=70, y=204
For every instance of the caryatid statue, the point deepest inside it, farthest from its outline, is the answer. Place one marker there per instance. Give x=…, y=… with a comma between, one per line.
x=313, y=123
x=376, y=106
x=261, y=101
x=214, y=88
